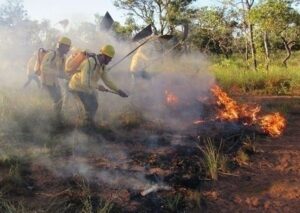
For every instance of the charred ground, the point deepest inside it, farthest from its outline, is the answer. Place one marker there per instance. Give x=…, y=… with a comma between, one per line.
x=105, y=170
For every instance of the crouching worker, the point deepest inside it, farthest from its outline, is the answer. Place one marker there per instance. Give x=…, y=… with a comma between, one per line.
x=52, y=67
x=84, y=83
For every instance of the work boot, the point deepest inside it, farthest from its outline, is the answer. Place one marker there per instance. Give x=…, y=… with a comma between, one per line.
x=88, y=126
x=59, y=123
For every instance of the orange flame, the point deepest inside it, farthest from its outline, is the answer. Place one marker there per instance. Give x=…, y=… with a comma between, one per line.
x=273, y=124
x=171, y=98
x=230, y=110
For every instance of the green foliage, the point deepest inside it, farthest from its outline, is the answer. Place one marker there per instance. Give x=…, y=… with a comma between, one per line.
x=212, y=31
x=162, y=15
x=235, y=75
x=263, y=15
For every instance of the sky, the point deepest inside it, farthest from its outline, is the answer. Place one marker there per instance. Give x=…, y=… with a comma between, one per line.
x=77, y=11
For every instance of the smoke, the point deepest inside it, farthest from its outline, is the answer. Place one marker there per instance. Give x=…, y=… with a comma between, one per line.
x=186, y=77
x=26, y=115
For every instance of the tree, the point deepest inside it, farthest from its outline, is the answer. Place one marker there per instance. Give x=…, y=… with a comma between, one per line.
x=212, y=30
x=163, y=15
x=242, y=8
x=12, y=13
x=127, y=30
x=285, y=26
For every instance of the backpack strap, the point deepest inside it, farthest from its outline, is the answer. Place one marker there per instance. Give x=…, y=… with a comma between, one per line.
x=92, y=55
x=54, y=56
x=41, y=50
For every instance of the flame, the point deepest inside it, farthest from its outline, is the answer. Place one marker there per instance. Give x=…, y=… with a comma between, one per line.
x=273, y=124
x=171, y=98
x=230, y=110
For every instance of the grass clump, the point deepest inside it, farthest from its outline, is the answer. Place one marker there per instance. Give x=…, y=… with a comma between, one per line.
x=244, y=153
x=214, y=160
x=130, y=119
x=7, y=206
x=14, y=180
x=80, y=199
x=195, y=200
x=174, y=203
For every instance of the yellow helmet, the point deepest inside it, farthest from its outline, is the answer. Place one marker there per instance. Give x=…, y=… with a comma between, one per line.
x=108, y=50
x=65, y=40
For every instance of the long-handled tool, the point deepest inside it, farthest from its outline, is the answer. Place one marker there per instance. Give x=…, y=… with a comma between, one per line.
x=185, y=34
x=170, y=50
x=103, y=89
x=128, y=54
x=144, y=33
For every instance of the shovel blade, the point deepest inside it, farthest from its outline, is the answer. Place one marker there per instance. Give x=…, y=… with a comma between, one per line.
x=144, y=33
x=106, y=22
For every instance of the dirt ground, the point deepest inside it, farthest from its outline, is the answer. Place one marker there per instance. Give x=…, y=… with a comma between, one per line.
x=130, y=161
x=270, y=181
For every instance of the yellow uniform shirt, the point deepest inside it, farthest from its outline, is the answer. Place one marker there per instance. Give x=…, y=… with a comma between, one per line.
x=139, y=61
x=31, y=64
x=86, y=80
x=51, y=68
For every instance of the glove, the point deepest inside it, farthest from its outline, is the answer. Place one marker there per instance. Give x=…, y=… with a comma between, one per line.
x=122, y=94
x=102, y=88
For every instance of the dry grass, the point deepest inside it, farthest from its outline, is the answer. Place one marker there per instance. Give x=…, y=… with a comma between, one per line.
x=80, y=199
x=7, y=206
x=174, y=203
x=213, y=159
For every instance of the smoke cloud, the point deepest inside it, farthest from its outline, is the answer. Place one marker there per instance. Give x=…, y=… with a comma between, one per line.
x=26, y=117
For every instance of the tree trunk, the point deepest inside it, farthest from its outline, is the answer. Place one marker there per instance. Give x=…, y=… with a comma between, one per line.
x=267, y=53
x=253, y=50
x=288, y=46
x=247, y=5
x=246, y=51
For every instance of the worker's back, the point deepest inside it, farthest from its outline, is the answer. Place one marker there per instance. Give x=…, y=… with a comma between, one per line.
x=31, y=64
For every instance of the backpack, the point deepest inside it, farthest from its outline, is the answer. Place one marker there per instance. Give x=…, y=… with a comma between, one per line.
x=75, y=59
x=41, y=54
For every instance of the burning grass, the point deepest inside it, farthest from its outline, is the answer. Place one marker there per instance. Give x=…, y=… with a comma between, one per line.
x=171, y=98
x=229, y=110
x=107, y=170
x=273, y=124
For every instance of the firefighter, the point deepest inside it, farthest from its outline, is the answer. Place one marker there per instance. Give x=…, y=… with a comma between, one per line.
x=84, y=83
x=148, y=56
x=139, y=62
x=52, y=68
x=31, y=73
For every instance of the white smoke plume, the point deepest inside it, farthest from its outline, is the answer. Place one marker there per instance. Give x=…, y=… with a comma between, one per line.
x=26, y=114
